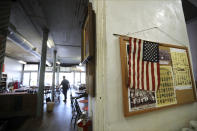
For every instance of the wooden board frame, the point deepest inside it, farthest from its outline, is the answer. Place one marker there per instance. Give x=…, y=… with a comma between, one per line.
x=123, y=40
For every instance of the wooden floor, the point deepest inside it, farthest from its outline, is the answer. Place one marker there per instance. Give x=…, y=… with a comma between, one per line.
x=58, y=120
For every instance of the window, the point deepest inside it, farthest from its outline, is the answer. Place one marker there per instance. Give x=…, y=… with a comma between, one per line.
x=83, y=78
x=69, y=77
x=30, y=79
x=31, y=67
x=77, y=78
x=48, y=78
x=65, y=69
x=26, y=78
x=49, y=69
x=34, y=78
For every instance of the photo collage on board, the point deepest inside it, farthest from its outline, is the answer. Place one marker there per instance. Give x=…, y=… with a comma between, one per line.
x=174, y=75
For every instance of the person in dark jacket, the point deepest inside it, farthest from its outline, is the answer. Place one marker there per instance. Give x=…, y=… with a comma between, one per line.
x=65, y=86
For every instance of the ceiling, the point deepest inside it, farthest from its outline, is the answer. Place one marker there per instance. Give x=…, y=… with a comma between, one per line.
x=63, y=18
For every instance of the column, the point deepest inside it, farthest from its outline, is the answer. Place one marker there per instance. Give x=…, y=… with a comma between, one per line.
x=54, y=68
x=58, y=74
x=40, y=94
x=22, y=74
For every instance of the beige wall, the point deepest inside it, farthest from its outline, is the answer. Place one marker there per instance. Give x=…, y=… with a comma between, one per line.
x=126, y=17
x=13, y=69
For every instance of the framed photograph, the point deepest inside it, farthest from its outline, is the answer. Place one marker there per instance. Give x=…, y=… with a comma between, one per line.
x=88, y=36
x=86, y=39
x=88, y=52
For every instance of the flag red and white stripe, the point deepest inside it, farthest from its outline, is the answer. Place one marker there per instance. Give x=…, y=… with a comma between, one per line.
x=142, y=74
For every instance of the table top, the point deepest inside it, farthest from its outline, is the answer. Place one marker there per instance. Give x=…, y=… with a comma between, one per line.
x=83, y=104
x=83, y=101
x=80, y=92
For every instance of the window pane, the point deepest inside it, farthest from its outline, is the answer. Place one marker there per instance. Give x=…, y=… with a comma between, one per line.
x=48, y=79
x=26, y=77
x=68, y=69
x=69, y=77
x=77, y=78
x=34, y=78
x=49, y=69
x=31, y=67
x=83, y=78
x=81, y=68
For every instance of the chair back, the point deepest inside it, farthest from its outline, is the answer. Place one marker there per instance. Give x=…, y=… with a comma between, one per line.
x=77, y=108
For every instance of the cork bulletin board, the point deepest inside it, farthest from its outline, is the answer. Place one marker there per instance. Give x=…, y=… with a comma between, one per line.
x=171, y=85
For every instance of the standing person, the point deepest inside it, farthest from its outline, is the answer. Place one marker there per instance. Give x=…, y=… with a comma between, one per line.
x=65, y=86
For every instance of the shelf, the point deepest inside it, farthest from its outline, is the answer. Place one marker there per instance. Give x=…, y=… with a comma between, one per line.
x=4, y=76
x=3, y=81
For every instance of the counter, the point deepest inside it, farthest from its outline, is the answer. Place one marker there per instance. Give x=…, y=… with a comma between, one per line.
x=17, y=104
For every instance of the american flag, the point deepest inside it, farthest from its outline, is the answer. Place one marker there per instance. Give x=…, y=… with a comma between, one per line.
x=143, y=64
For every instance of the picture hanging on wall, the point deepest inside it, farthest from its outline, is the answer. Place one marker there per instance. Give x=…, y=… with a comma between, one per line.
x=88, y=36
x=141, y=99
x=166, y=95
x=88, y=49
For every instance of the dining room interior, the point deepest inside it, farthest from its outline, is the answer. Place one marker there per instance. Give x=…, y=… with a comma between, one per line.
x=98, y=65
x=44, y=43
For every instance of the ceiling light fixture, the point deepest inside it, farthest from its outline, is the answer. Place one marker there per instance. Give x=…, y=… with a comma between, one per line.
x=50, y=43
x=58, y=62
x=48, y=63
x=22, y=62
